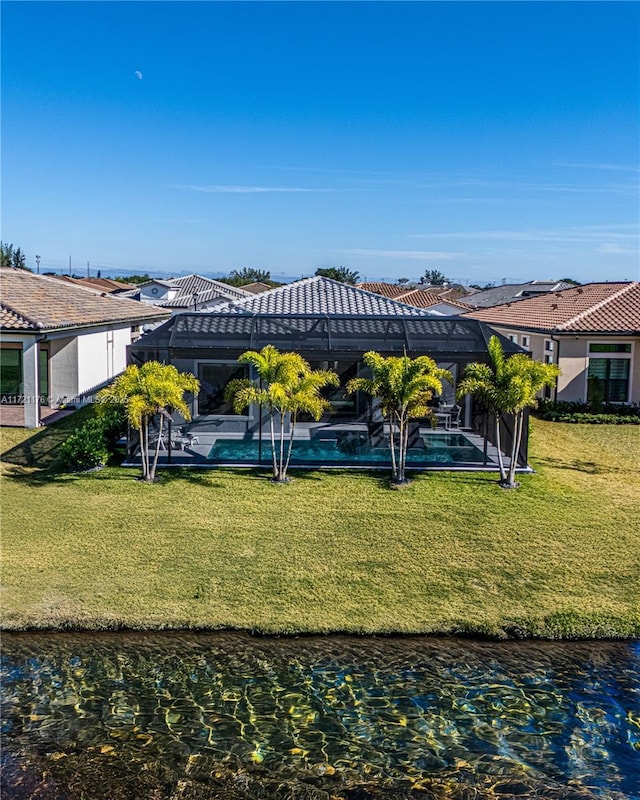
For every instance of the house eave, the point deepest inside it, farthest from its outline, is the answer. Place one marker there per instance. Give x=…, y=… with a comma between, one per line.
x=74, y=327
x=561, y=331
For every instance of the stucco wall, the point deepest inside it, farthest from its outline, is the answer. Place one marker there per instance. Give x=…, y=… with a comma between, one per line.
x=156, y=291
x=574, y=360
x=63, y=369
x=101, y=355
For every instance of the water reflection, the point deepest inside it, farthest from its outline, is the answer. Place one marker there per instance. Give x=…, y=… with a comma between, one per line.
x=228, y=715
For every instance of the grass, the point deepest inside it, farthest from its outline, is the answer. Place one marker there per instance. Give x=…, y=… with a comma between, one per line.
x=558, y=558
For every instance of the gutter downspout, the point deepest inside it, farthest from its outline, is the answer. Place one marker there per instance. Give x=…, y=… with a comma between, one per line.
x=557, y=363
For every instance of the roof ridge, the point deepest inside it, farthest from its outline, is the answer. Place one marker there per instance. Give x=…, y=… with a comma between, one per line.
x=597, y=306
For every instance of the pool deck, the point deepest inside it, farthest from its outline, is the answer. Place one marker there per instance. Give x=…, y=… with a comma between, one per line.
x=195, y=453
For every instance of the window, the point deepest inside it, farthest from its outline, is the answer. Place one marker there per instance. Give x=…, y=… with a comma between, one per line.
x=43, y=375
x=11, y=385
x=11, y=373
x=608, y=380
x=548, y=358
x=610, y=347
x=525, y=341
x=609, y=373
x=213, y=382
x=548, y=346
x=513, y=338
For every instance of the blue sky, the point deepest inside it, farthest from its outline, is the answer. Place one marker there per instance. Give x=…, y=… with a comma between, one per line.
x=487, y=140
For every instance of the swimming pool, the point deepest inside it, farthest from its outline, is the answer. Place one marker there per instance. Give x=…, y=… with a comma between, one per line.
x=351, y=449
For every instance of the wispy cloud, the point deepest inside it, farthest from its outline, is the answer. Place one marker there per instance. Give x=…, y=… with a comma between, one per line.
x=591, y=234
x=610, y=167
x=225, y=189
x=613, y=249
x=416, y=255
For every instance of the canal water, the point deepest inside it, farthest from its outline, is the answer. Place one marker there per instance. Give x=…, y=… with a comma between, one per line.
x=175, y=715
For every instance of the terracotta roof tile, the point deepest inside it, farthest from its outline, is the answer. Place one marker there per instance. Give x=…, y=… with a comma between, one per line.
x=38, y=302
x=385, y=289
x=9, y=320
x=594, y=307
x=424, y=298
x=395, y=290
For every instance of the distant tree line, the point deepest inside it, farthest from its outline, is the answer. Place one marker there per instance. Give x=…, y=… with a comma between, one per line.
x=11, y=256
x=241, y=277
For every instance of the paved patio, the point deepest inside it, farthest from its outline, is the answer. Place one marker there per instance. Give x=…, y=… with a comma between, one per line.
x=196, y=453
x=13, y=416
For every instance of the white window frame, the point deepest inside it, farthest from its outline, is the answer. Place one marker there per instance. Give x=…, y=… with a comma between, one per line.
x=548, y=346
x=526, y=342
x=513, y=337
x=629, y=356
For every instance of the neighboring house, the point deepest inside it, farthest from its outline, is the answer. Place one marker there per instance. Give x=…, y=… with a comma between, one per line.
x=396, y=290
x=592, y=332
x=433, y=302
x=60, y=340
x=188, y=293
x=509, y=292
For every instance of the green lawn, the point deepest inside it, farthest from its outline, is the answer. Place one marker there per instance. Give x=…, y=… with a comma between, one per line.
x=330, y=551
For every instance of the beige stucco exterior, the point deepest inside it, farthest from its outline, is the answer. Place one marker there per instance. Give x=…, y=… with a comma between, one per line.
x=571, y=352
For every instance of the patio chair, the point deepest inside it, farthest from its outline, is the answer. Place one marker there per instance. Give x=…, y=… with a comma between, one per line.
x=454, y=418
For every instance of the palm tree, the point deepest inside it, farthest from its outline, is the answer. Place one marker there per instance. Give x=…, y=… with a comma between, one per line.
x=145, y=392
x=404, y=387
x=507, y=386
x=286, y=386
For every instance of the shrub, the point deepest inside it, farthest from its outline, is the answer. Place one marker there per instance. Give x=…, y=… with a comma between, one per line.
x=92, y=443
x=114, y=422
x=589, y=413
x=85, y=448
x=593, y=419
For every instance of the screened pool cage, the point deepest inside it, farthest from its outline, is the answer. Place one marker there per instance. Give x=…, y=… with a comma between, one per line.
x=209, y=344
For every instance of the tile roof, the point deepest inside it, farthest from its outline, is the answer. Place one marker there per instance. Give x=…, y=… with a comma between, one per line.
x=257, y=287
x=592, y=308
x=188, y=284
x=194, y=301
x=424, y=298
x=385, y=289
x=319, y=295
x=514, y=291
x=97, y=284
x=395, y=290
x=107, y=284
x=38, y=302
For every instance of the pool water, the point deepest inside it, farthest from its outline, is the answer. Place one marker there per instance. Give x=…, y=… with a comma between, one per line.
x=351, y=448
